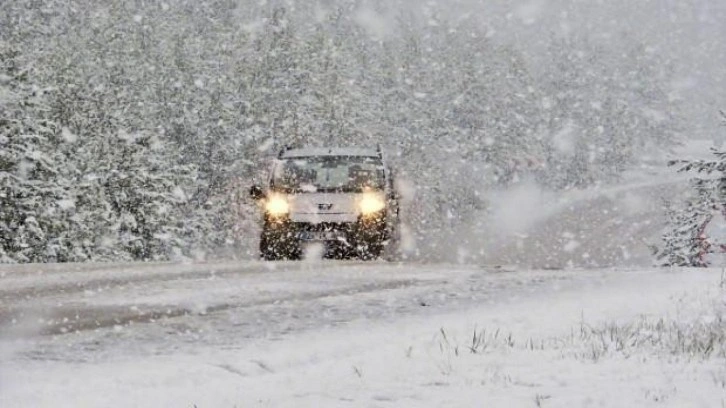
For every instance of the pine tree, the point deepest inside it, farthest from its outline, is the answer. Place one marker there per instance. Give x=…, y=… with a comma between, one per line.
x=128, y=187
x=684, y=243
x=34, y=194
x=143, y=188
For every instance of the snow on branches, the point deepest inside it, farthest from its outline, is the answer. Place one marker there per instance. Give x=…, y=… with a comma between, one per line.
x=693, y=232
x=149, y=101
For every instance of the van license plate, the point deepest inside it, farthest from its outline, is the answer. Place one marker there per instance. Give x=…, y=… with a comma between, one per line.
x=318, y=235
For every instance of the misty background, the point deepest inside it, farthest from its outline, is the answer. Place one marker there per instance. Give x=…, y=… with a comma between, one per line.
x=131, y=130
x=686, y=33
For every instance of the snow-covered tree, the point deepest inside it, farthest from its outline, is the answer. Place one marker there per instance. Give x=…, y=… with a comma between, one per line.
x=605, y=107
x=218, y=86
x=128, y=187
x=685, y=242
x=34, y=192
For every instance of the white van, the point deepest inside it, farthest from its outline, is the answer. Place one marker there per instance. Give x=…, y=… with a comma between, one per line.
x=343, y=198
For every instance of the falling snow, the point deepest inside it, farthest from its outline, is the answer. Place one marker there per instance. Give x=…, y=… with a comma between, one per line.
x=529, y=145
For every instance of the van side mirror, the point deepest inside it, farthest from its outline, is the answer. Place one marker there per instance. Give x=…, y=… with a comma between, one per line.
x=256, y=192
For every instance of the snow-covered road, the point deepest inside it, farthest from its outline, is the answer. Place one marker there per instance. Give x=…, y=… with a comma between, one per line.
x=342, y=333
x=222, y=303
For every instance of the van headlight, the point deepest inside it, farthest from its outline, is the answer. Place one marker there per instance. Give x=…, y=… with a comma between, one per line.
x=277, y=206
x=371, y=204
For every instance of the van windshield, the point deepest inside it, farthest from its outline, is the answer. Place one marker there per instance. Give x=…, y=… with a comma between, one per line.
x=326, y=174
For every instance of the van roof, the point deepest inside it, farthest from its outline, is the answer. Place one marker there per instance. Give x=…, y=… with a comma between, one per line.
x=332, y=151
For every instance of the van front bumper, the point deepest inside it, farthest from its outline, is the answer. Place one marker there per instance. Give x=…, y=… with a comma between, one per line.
x=353, y=231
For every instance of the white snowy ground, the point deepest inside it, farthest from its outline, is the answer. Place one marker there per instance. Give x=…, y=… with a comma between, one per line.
x=351, y=334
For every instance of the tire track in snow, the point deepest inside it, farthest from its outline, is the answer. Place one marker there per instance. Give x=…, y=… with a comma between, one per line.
x=66, y=283
x=81, y=317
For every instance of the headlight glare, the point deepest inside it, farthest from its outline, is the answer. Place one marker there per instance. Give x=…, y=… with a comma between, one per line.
x=277, y=206
x=371, y=204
